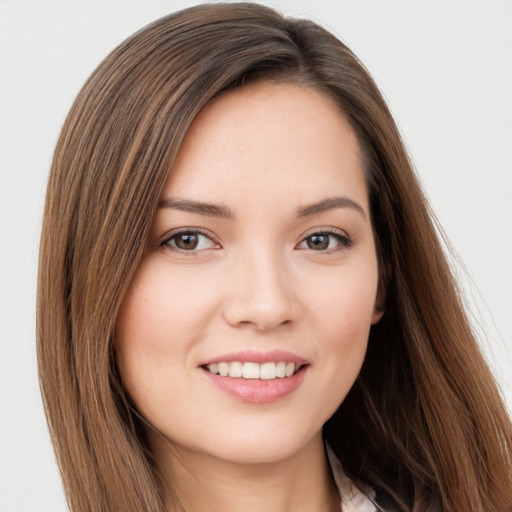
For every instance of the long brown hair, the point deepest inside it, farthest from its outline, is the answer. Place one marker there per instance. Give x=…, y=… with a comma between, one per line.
x=424, y=422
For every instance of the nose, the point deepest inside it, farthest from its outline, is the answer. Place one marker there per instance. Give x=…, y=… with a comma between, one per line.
x=261, y=293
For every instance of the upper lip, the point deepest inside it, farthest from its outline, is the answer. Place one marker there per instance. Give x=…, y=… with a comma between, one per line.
x=257, y=357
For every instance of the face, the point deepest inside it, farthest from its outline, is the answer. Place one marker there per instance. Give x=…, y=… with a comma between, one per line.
x=247, y=321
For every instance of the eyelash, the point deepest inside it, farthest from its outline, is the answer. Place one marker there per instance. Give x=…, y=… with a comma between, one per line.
x=344, y=241
x=188, y=231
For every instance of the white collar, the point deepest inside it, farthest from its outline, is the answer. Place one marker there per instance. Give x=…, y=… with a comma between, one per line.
x=352, y=498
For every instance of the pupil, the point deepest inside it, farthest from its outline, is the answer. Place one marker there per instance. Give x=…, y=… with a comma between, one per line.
x=187, y=241
x=318, y=242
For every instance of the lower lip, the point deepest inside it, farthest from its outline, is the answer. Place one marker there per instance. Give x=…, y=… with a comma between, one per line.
x=258, y=390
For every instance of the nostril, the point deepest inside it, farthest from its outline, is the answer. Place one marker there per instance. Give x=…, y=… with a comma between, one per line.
x=261, y=302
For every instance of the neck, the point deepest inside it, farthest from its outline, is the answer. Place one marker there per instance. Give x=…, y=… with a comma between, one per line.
x=300, y=483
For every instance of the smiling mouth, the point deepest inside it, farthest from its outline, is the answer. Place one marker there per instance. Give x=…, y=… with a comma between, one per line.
x=254, y=371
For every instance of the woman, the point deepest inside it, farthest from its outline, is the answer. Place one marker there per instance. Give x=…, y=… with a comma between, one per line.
x=241, y=286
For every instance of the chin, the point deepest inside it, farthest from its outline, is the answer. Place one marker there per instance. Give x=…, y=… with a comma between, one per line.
x=261, y=442
x=270, y=449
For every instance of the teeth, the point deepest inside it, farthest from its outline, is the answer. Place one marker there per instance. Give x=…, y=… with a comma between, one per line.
x=290, y=369
x=281, y=369
x=268, y=371
x=223, y=369
x=235, y=369
x=250, y=370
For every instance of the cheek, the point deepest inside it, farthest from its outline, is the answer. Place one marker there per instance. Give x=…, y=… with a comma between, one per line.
x=161, y=317
x=164, y=309
x=346, y=321
x=343, y=301
x=342, y=306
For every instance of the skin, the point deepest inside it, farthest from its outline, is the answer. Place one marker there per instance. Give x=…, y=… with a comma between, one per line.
x=252, y=283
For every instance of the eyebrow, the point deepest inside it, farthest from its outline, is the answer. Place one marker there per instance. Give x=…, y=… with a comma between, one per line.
x=186, y=205
x=329, y=204
x=215, y=210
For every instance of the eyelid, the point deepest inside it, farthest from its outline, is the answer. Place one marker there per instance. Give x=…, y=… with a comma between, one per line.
x=342, y=236
x=187, y=230
x=325, y=229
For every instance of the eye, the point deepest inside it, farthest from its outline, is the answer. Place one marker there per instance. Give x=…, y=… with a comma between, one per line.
x=325, y=241
x=189, y=241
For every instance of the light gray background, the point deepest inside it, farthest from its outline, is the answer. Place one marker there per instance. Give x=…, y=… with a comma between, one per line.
x=445, y=68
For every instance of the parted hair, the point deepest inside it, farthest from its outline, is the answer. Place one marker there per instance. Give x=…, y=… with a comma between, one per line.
x=424, y=423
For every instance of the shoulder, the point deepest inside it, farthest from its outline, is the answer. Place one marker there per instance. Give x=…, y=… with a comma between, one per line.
x=357, y=496
x=354, y=497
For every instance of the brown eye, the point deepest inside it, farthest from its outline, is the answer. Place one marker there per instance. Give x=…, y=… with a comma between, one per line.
x=186, y=241
x=318, y=242
x=189, y=241
x=326, y=241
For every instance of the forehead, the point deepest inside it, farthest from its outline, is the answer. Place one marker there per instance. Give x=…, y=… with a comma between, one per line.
x=277, y=142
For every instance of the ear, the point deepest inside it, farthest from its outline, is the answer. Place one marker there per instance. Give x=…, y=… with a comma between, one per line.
x=377, y=315
x=379, y=307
